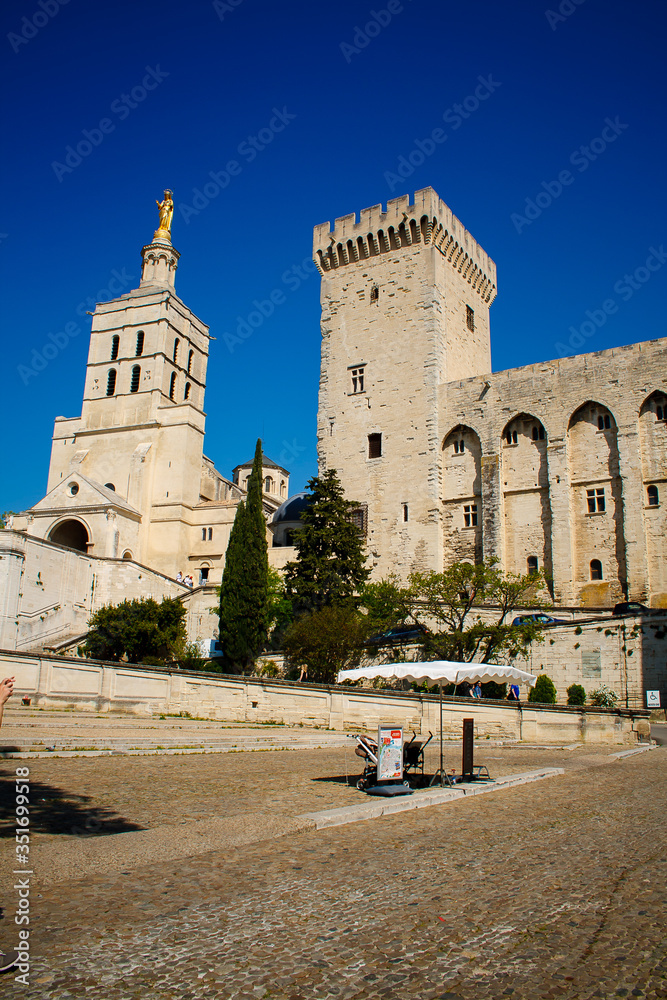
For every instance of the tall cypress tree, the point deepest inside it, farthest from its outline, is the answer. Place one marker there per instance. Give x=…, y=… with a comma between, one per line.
x=330, y=566
x=244, y=599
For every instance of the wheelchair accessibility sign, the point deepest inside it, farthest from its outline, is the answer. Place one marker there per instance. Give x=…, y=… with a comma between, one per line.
x=390, y=753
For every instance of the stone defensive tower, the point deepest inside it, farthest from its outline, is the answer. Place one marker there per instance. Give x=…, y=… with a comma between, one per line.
x=405, y=308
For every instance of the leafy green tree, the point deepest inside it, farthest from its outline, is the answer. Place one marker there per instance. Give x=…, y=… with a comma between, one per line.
x=386, y=603
x=138, y=630
x=448, y=605
x=330, y=564
x=279, y=608
x=544, y=692
x=244, y=593
x=326, y=641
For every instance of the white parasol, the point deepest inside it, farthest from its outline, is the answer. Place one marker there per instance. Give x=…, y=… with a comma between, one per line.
x=443, y=672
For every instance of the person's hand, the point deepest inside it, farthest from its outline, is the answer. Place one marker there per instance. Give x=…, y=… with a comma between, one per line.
x=6, y=689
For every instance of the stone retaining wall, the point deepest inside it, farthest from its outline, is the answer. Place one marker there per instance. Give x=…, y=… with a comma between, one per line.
x=93, y=685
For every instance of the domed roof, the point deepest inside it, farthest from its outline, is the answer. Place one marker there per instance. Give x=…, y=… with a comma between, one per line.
x=267, y=463
x=292, y=508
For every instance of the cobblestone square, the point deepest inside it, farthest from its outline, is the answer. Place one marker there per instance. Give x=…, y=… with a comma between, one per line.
x=551, y=889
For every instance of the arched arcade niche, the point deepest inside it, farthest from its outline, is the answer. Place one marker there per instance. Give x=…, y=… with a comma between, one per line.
x=526, y=501
x=71, y=533
x=596, y=506
x=462, y=496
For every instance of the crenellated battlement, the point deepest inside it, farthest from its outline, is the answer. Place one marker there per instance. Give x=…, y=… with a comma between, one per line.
x=426, y=222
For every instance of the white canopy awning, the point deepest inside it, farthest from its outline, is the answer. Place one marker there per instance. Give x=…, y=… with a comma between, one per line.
x=442, y=672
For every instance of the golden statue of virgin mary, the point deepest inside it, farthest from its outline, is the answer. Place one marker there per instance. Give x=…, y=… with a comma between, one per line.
x=166, y=207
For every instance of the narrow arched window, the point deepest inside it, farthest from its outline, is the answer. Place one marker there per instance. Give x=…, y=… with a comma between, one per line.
x=140, y=343
x=190, y=358
x=375, y=293
x=176, y=343
x=111, y=382
x=186, y=394
x=136, y=378
x=172, y=385
x=115, y=345
x=268, y=484
x=596, y=569
x=653, y=496
x=532, y=564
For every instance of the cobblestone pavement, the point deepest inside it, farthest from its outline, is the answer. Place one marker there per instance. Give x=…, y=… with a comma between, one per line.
x=555, y=889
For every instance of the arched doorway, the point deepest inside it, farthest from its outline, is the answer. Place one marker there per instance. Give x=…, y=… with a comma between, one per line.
x=72, y=534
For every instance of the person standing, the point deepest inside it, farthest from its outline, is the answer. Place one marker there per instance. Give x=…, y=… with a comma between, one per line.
x=6, y=689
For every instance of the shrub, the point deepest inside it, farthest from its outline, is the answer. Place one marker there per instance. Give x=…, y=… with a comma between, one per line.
x=191, y=657
x=603, y=697
x=269, y=669
x=576, y=695
x=544, y=691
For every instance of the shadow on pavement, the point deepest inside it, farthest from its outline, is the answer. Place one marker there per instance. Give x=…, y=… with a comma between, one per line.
x=54, y=810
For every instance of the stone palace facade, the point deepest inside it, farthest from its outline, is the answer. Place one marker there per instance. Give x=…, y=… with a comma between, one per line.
x=560, y=466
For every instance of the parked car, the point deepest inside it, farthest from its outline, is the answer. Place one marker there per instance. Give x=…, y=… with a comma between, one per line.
x=397, y=635
x=631, y=608
x=536, y=619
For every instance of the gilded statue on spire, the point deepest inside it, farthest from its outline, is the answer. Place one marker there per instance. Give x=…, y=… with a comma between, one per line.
x=166, y=208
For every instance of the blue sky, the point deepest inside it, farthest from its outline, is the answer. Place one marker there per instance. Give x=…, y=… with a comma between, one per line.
x=358, y=88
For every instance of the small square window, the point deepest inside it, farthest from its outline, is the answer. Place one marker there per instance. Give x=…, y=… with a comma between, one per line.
x=375, y=446
x=470, y=515
x=470, y=318
x=533, y=566
x=595, y=500
x=357, y=379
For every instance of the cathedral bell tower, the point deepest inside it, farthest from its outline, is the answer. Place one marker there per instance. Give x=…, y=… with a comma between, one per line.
x=141, y=428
